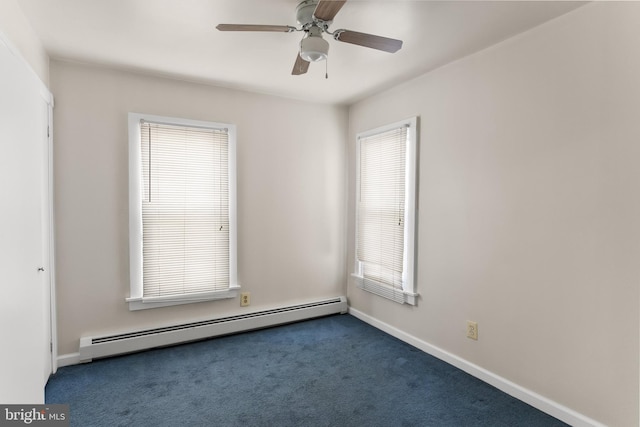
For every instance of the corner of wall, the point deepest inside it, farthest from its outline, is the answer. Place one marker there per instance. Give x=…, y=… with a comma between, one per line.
x=18, y=33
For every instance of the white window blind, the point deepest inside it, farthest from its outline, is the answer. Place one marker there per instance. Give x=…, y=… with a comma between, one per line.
x=385, y=211
x=185, y=209
x=382, y=205
x=182, y=211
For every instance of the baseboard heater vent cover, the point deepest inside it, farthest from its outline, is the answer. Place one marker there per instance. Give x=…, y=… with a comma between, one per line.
x=94, y=347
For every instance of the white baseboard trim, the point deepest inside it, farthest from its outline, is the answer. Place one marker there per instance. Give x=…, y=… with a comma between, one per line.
x=68, y=359
x=536, y=400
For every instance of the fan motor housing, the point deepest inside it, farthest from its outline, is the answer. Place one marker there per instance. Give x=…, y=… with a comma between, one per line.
x=304, y=12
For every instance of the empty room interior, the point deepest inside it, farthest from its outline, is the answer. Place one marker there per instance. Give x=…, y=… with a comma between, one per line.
x=516, y=241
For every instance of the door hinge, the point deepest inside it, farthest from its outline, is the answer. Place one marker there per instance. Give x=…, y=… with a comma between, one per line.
x=48, y=132
x=51, y=347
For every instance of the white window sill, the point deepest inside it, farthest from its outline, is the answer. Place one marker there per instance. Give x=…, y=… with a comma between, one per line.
x=398, y=295
x=141, y=303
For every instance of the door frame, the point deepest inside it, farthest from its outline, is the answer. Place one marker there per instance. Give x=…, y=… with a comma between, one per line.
x=53, y=334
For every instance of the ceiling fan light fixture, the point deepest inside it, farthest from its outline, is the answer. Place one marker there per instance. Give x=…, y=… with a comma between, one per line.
x=315, y=17
x=314, y=49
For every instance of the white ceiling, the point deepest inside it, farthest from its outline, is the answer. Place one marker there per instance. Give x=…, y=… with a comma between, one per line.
x=177, y=38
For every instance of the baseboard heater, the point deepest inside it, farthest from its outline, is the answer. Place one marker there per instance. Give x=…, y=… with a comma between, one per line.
x=110, y=345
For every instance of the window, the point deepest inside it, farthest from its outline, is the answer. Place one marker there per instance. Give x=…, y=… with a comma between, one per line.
x=386, y=211
x=181, y=211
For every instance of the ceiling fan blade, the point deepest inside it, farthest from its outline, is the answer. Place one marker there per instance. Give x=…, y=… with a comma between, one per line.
x=300, y=67
x=247, y=27
x=326, y=10
x=368, y=40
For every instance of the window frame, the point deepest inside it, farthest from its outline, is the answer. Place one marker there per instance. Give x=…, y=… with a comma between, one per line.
x=408, y=294
x=136, y=299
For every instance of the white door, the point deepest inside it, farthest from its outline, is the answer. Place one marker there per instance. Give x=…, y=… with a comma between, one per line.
x=25, y=325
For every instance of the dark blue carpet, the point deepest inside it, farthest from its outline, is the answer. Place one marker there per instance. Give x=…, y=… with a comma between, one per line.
x=333, y=371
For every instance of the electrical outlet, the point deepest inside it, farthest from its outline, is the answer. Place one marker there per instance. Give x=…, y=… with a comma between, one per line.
x=245, y=299
x=472, y=330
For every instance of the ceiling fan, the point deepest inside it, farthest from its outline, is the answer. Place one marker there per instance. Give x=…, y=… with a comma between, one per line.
x=314, y=18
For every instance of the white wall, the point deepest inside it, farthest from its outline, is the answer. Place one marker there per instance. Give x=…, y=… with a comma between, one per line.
x=529, y=217
x=291, y=196
x=15, y=26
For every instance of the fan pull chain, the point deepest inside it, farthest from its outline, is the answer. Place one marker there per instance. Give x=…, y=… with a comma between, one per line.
x=326, y=68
